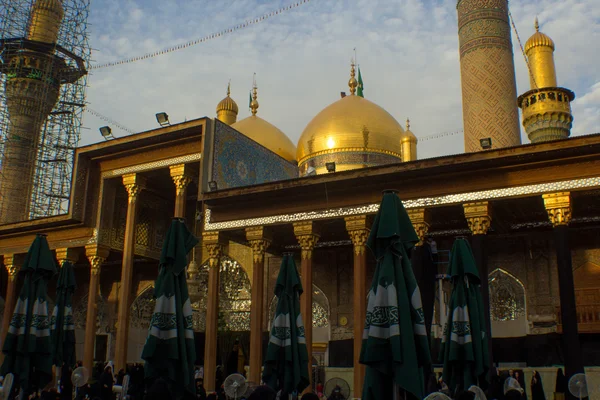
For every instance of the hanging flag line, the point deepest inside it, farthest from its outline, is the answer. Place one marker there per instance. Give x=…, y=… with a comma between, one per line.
x=224, y=32
x=439, y=135
x=110, y=121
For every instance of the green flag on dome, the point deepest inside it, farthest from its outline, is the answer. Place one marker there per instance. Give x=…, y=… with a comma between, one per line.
x=361, y=86
x=250, y=100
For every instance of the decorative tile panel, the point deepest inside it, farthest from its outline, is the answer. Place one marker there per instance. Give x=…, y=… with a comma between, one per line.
x=239, y=161
x=459, y=198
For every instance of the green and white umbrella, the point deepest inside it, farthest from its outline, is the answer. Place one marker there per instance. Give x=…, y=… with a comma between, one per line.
x=286, y=363
x=27, y=347
x=61, y=324
x=395, y=346
x=169, y=350
x=464, y=349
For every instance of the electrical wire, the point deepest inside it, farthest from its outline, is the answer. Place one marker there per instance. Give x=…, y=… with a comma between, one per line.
x=191, y=43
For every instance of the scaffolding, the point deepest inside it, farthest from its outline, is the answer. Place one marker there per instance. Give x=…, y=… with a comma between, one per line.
x=42, y=101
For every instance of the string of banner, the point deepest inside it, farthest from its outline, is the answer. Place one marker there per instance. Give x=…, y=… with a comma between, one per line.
x=222, y=33
x=109, y=120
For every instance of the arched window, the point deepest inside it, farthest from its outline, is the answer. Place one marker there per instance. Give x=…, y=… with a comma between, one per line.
x=234, y=300
x=80, y=312
x=507, y=296
x=320, y=309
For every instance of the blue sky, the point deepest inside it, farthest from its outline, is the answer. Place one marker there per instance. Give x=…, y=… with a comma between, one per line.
x=407, y=51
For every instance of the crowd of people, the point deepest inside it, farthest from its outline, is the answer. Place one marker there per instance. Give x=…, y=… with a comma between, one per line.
x=504, y=385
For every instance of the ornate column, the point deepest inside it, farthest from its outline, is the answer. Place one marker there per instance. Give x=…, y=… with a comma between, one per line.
x=307, y=238
x=134, y=183
x=214, y=244
x=11, y=294
x=259, y=243
x=62, y=255
x=558, y=206
x=96, y=255
x=358, y=230
x=182, y=178
x=422, y=262
x=479, y=218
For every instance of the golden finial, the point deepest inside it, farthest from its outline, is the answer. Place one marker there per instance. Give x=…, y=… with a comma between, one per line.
x=229, y=88
x=536, y=25
x=353, y=83
x=254, y=103
x=407, y=124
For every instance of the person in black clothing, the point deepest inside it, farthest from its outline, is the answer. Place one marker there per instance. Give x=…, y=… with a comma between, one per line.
x=200, y=391
x=159, y=391
x=263, y=393
x=537, y=390
x=120, y=377
x=66, y=386
x=106, y=382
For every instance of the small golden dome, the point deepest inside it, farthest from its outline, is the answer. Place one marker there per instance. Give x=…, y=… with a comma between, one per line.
x=409, y=136
x=227, y=104
x=352, y=124
x=538, y=39
x=265, y=133
x=46, y=18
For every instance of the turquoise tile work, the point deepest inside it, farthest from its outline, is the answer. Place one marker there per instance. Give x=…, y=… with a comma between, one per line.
x=239, y=161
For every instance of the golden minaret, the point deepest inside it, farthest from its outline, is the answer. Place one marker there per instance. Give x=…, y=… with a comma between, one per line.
x=487, y=68
x=546, y=107
x=33, y=79
x=227, y=109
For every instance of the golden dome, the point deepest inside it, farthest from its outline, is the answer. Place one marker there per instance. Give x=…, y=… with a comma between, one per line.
x=46, y=17
x=366, y=134
x=265, y=133
x=538, y=39
x=409, y=144
x=408, y=135
x=227, y=104
x=227, y=109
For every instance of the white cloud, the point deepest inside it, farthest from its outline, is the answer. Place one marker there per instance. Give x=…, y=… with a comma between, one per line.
x=407, y=50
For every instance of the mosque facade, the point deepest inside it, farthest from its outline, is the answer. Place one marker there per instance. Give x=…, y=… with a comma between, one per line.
x=252, y=195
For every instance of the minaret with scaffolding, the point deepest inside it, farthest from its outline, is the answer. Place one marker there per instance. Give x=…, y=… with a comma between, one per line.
x=44, y=56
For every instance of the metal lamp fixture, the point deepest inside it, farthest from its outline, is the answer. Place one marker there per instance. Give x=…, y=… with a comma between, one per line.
x=163, y=119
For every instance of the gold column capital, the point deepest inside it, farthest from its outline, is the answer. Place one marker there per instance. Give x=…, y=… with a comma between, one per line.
x=479, y=216
x=9, y=263
x=558, y=207
x=259, y=242
x=134, y=183
x=66, y=254
x=358, y=231
x=181, y=177
x=96, y=255
x=419, y=217
x=214, y=243
x=307, y=237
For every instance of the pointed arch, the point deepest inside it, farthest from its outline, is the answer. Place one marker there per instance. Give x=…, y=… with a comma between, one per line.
x=507, y=296
x=80, y=312
x=320, y=308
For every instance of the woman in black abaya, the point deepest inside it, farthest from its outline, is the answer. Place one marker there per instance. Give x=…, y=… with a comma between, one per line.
x=537, y=390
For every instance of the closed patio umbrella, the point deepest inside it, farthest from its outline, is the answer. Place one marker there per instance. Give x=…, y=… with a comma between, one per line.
x=464, y=349
x=395, y=346
x=286, y=363
x=169, y=350
x=27, y=347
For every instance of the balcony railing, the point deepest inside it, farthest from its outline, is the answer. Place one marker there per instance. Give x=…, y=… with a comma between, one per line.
x=588, y=318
